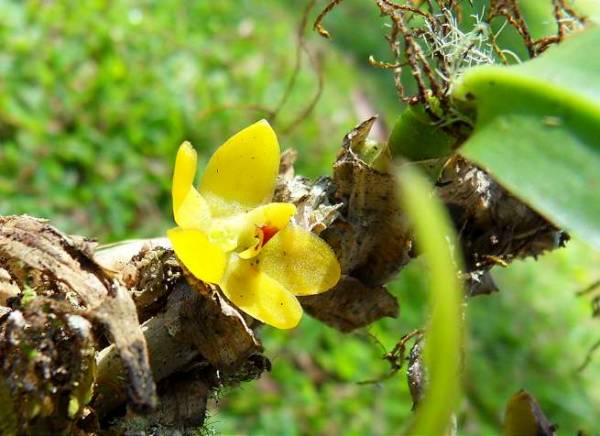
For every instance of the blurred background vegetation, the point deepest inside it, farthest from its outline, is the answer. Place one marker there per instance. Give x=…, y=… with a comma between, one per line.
x=95, y=97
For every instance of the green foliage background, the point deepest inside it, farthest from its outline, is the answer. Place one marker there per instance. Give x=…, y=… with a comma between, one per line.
x=95, y=97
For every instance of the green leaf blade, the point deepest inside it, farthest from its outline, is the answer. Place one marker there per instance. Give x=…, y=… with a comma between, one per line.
x=538, y=131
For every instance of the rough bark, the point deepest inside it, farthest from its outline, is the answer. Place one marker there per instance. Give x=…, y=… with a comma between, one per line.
x=124, y=339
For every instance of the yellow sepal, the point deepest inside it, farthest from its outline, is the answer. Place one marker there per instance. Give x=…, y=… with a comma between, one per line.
x=242, y=173
x=206, y=261
x=301, y=261
x=193, y=212
x=190, y=210
x=259, y=295
x=186, y=162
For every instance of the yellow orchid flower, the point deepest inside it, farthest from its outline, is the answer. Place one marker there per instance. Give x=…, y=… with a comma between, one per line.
x=230, y=234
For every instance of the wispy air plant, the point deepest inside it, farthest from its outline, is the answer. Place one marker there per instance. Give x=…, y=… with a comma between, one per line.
x=437, y=42
x=457, y=50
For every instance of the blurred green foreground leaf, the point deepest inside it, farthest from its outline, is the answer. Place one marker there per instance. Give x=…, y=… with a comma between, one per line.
x=436, y=240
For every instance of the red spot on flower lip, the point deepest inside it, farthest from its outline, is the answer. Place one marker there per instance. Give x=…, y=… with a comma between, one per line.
x=268, y=232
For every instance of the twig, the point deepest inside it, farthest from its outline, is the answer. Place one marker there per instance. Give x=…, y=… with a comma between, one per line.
x=317, y=25
x=316, y=66
x=313, y=102
x=300, y=46
x=395, y=358
x=588, y=357
x=588, y=289
x=511, y=12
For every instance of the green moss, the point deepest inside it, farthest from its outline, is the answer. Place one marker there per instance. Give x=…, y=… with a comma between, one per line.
x=27, y=296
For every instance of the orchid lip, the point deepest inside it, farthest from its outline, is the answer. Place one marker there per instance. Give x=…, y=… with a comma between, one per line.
x=263, y=234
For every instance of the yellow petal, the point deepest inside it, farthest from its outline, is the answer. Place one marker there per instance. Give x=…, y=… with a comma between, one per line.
x=259, y=295
x=189, y=208
x=300, y=261
x=204, y=260
x=241, y=174
x=276, y=215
